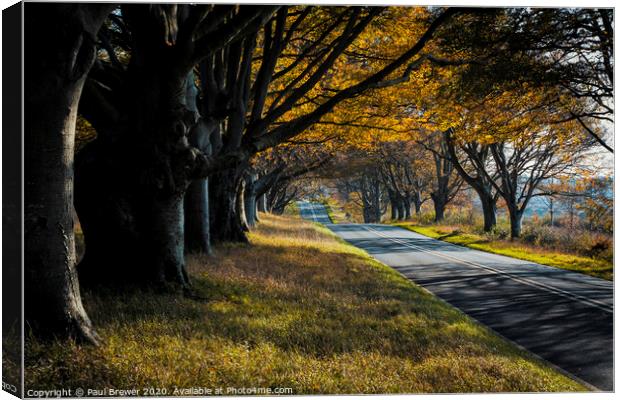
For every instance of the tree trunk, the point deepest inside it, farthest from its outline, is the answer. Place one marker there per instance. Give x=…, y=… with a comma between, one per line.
x=130, y=184
x=571, y=212
x=225, y=224
x=516, y=217
x=394, y=209
x=370, y=215
x=439, y=203
x=551, y=210
x=377, y=215
x=440, y=209
x=489, y=211
x=417, y=202
x=133, y=231
x=197, y=229
x=261, y=203
x=401, y=209
x=376, y=201
x=197, y=232
x=240, y=206
x=256, y=217
x=407, y=205
x=250, y=201
x=168, y=238
x=59, y=51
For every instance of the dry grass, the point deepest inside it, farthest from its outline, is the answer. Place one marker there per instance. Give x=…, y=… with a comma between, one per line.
x=300, y=309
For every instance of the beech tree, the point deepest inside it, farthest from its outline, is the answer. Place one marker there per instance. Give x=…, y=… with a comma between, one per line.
x=574, y=50
x=275, y=171
x=359, y=180
x=528, y=148
x=131, y=180
x=521, y=169
x=473, y=169
x=405, y=175
x=286, y=93
x=60, y=48
x=370, y=195
x=446, y=181
x=566, y=49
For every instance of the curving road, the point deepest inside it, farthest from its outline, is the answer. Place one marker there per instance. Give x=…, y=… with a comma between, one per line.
x=563, y=317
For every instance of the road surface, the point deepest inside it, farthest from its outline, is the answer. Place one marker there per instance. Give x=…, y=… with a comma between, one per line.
x=563, y=317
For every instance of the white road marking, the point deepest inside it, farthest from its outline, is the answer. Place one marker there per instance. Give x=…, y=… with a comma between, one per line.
x=591, y=302
x=310, y=206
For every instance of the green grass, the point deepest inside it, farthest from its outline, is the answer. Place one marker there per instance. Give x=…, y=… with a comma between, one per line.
x=298, y=308
x=334, y=212
x=291, y=209
x=590, y=266
x=330, y=213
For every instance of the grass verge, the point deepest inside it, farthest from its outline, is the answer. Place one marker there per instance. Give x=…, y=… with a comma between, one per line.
x=300, y=309
x=590, y=266
x=334, y=211
x=330, y=213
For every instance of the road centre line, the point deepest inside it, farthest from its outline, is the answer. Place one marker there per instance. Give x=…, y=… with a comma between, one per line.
x=559, y=292
x=310, y=206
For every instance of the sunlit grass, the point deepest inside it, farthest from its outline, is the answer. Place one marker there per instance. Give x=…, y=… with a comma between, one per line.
x=591, y=266
x=298, y=308
x=334, y=211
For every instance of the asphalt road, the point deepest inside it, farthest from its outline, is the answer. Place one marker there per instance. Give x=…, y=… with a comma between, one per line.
x=563, y=317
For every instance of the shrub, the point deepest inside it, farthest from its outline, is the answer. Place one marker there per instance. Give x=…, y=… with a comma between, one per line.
x=583, y=242
x=597, y=246
x=540, y=235
x=499, y=232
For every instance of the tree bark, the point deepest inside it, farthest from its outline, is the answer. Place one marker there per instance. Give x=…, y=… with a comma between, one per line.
x=256, y=216
x=482, y=183
x=225, y=224
x=250, y=206
x=59, y=52
x=489, y=211
x=401, y=209
x=407, y=205
x=551, y=212
x=261, y=203
x=131, y=181
x=168, y=237
x=370, y=215
x=240, y=206
x=197, y=229
x=440, y=208
x=417, y=203
x=516, y=216
x=393, y=208
x=440, y=201
x=132, y=217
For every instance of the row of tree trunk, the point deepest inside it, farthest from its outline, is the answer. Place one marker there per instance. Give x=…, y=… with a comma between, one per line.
x=143, y=195
x=167, y=173
x=400, y=206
